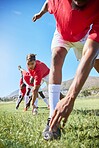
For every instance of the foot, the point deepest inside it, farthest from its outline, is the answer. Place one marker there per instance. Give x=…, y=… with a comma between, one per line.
x=47, y=127
x=28, y=104
x=35, y=111
x=50, y=135
x=48, y=107
x=17, y=106
x=25, y=109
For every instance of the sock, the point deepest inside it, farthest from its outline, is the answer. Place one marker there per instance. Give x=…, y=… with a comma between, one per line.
x=36, y=102
x=26, y=100
x=18, y=100
x=46, y=101
x=54, y=96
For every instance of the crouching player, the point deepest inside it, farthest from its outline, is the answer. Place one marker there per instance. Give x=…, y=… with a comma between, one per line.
x=29, y=81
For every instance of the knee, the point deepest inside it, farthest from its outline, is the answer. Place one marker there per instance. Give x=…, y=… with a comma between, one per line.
x=57, y=58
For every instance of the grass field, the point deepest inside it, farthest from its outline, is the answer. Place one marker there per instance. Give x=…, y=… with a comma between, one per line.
x=19, y=129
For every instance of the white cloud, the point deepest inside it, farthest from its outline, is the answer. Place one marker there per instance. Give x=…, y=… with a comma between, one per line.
x=17, y=12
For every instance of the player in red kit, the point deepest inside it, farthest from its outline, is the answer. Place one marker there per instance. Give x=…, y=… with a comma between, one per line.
x=29, y=81
x=39, y=71
x=22, y=92
x=77, y=27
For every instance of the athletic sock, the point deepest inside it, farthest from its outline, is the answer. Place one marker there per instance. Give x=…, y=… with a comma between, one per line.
x=54, y=96
x=26, y=100
x=36, y=102
x=46, y=101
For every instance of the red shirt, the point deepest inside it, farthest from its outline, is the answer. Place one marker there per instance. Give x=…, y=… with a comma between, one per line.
x=23, y=90
x=74, y=24
x=39, y=72
x=26, y=77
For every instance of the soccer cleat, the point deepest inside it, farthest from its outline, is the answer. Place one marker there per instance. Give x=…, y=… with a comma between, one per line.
x=17, y=106
x=47, y=127
x=35, y=112
x=50, y=135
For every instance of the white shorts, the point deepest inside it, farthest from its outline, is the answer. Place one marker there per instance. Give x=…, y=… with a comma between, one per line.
x=77, y=46
x=45, y=81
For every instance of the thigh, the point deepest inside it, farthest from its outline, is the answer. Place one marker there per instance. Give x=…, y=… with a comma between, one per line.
x=59, y=45
x=92, y=48
x=58, y=56
x=58, y=41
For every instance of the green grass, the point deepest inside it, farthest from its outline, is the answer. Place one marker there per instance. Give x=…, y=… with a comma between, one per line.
x=19, y=129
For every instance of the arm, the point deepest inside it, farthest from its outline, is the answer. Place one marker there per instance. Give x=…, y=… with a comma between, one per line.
x=43, y=10
x=35, y=93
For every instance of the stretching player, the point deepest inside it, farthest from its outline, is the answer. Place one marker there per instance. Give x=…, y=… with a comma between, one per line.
x=29, y=81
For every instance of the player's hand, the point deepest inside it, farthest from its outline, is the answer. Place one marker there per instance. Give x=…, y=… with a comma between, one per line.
x=36, y=16
x=19, y=67
x=62, y=111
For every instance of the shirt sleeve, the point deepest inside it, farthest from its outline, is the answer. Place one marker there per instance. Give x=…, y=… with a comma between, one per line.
x=94, y=32
x=52, y=6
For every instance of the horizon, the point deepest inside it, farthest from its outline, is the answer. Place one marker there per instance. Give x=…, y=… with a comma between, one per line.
x=14, y=91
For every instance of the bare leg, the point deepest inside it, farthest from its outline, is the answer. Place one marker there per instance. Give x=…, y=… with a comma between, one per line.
x=58, y=56
x=55, y=77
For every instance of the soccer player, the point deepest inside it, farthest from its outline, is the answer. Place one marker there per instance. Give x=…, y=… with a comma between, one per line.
x=77, y=27
x=22, y=92
x=39, y=71
x=29, y=81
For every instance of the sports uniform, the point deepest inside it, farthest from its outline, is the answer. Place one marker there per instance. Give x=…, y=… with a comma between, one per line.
x=73, y=27
x=40, y=73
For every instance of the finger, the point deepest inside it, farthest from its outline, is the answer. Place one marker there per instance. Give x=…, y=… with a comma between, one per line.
x=54, y=113
x=54, y=122
x=65, y=119
x=58, y=125
x=59, y=120
x=33, y=19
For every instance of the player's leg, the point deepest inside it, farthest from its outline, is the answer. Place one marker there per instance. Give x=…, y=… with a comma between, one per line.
x=35, y=107
x=43, y=97
x=29, y=102
x=55, y=77
x=27, y=99
x=19, y=100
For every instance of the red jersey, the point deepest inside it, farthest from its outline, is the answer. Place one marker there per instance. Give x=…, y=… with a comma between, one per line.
x=23, y=90
x=74, y=24
x=26, y=77
x=39, y=72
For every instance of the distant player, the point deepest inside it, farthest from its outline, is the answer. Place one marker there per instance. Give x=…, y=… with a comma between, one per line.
x=22, y=92
x=40, y=72
x=29, y=81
